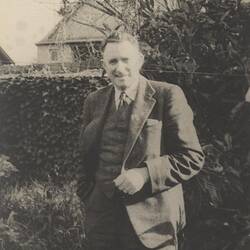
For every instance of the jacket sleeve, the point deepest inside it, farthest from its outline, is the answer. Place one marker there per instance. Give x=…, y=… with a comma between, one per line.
x=183, y=157
x=83, y=182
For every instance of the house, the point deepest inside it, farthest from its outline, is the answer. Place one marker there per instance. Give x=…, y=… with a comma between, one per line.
x=77, y=37
x=4, y=58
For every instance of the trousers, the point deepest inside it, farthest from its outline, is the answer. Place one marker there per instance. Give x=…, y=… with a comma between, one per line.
x=108, y=226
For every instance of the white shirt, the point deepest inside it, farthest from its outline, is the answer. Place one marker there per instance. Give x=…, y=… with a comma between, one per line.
x=130, y=92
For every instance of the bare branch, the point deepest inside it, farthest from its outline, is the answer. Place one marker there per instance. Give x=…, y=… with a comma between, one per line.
x=106, y=10
x=112, y=10
x=112, y=7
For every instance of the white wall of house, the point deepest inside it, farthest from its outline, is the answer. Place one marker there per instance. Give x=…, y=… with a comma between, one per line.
x=47, y=54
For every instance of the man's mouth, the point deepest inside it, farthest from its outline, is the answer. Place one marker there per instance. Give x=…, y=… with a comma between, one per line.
x=120, y=77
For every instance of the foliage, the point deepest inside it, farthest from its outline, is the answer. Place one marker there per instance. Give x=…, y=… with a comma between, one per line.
x=41, y=216
x=6, y=167
x=203, y=47
x=125, y=12
x=40, y=122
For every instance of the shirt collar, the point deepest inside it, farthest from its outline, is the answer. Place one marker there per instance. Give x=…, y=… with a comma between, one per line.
x=130, y=92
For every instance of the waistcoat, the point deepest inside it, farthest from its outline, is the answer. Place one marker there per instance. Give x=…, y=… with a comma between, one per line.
x=112, y=145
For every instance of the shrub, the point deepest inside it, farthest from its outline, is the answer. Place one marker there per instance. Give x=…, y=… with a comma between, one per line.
x=204, y=47
x=6, y=167
x=40, y=119
x=41, y=216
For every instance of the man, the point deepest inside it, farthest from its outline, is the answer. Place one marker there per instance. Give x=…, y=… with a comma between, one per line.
x=138, y=145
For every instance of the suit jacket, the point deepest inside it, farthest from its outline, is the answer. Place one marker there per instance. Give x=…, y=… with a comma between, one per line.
x=161, y=136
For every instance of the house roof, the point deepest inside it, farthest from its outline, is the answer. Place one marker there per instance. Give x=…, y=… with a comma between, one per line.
x=4, y=57
x=85, y=23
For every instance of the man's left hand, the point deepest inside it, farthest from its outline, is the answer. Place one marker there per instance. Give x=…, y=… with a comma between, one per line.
x=132, y=180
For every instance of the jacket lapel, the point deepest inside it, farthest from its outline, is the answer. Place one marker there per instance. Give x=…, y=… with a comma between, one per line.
x=103, y=106
x=93, y=133
x=142, y=108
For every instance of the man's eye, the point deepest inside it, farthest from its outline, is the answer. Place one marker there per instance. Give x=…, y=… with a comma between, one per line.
x=125, y=60
x=113, y=61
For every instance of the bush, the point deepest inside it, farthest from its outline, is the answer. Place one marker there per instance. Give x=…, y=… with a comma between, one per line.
x=40, y=119
x=204, y=48
x=6, y=168
x=41, y=216
x=38, y=215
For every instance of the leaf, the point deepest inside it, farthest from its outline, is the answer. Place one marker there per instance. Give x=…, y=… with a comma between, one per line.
x=228, y=140
x=11, y=218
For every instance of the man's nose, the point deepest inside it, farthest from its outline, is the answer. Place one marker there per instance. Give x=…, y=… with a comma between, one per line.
x=120, y=66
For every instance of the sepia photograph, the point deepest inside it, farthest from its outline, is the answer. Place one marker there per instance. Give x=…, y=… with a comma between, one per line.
x=124, y=125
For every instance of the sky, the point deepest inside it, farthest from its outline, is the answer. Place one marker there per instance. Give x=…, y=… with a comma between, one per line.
x=24, y=23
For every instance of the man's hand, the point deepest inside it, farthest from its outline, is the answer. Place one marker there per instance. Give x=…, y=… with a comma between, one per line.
x=132, y=180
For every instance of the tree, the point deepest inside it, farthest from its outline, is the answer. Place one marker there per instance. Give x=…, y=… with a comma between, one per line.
x=203, y=47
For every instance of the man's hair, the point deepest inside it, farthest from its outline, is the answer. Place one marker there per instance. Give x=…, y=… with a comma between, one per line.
x=121, y=36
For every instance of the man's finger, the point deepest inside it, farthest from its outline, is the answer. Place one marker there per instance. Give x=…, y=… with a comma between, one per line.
x=119, y=180
x=132, y=191
x=125, y=185
x=127, y=190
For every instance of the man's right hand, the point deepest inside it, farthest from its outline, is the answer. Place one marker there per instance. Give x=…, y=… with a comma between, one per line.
x=132, y=180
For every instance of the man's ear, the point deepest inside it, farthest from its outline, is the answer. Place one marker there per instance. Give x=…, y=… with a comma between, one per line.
x=104, y=64
x=140, y=59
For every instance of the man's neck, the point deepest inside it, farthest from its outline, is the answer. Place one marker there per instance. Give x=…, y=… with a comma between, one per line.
x=132, y=86
x=130, y=92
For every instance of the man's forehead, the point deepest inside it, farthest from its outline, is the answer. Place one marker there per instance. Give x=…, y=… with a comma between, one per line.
x=120, y=48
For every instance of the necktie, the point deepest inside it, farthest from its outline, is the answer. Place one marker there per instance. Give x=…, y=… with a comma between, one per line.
x=122, y=100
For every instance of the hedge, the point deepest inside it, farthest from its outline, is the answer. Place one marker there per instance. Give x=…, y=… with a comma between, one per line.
x=40, y=119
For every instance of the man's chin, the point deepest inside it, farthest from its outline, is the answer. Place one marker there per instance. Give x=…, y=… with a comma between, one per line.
x=121, y=83
x=121, y=79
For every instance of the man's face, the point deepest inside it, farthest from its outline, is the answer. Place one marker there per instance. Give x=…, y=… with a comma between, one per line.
x=122, y=62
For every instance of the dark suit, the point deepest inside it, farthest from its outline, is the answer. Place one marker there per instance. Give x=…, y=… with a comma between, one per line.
x=161, y=135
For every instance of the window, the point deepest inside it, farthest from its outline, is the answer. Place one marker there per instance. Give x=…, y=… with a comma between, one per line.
x=53, y=55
